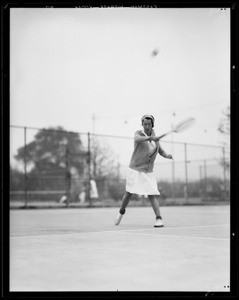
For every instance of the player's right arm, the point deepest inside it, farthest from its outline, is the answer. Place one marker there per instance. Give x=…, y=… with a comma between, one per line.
x=138, y=138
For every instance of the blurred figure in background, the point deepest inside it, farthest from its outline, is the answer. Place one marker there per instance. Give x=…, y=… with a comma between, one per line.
x=82, y=195
x=93, y=190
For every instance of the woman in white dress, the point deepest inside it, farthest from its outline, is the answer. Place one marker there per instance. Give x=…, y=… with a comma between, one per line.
x=140, y=177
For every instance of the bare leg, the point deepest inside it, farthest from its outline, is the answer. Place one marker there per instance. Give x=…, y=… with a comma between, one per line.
x=155, y=205
x=125, y=202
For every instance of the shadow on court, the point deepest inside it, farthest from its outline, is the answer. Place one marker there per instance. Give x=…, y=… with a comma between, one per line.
x=82, y=250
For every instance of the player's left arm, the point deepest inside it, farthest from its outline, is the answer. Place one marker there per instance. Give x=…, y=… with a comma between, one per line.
x=164, y=154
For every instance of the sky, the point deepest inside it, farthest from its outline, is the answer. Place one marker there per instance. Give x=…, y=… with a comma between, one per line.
x=91, y=69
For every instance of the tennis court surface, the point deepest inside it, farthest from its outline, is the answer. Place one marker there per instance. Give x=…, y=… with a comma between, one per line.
x=82, y=250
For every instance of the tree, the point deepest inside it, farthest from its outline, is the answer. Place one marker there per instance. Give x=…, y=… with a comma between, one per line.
x=53, y=151
x=224, y=129
x=224, y=124
x=16, y=180
x=104, y=163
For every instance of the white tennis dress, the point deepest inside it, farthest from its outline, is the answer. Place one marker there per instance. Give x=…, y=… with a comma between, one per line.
x=142, y=183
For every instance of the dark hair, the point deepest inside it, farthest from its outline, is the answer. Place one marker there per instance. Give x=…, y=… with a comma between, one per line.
x=148, y=117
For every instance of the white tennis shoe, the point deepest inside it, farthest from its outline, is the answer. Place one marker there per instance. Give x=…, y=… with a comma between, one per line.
x=159, y=223
x=118, y=218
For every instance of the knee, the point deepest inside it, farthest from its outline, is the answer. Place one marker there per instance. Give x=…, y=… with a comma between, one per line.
x=151, y=198
x=128, y=194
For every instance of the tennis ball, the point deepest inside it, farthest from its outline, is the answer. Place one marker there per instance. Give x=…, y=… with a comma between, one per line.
x=155, y=52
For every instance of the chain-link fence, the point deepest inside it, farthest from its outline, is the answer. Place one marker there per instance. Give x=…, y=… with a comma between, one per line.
x=58, y=166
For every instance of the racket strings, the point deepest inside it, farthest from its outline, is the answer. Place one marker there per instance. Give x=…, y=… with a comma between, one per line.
x=184, y=125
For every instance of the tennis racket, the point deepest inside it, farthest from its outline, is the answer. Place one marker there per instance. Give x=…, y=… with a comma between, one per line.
x=181, y=126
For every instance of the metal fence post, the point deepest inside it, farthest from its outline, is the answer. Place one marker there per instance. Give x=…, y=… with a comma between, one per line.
x=118, y=172
x=186, y=173
x=205, y=177
x=173, y=180
x=201, y=184
x=67, y=187
x=89, y=169
x=173, y=164
x=224, y=171
x=25, y=167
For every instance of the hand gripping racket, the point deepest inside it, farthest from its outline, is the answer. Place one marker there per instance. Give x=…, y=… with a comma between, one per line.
x=181, y=126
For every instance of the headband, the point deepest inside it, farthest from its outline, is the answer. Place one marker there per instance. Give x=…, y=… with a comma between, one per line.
x=148, y=116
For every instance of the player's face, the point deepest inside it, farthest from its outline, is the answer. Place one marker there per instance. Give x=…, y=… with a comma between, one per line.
x=147, y=124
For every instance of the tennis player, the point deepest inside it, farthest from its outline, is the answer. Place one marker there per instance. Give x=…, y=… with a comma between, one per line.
x=140, y=177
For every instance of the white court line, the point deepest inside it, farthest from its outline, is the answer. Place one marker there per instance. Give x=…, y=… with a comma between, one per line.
x=188, y=226
x=119, y=230
x=180, y=236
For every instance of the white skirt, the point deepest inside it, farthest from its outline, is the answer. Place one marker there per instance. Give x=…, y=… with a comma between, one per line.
x=141, y=183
